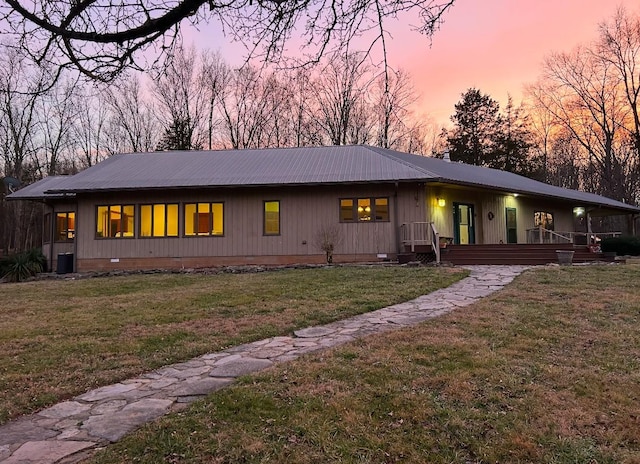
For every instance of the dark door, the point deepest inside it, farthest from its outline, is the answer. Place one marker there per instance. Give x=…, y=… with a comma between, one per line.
x=463, y=224
x=512, y=228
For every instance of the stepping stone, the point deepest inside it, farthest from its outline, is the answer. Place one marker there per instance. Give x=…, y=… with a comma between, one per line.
x=312, y=332
x=238, y=367
x=46, y=452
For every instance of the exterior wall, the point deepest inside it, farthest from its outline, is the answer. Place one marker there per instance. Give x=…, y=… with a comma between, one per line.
x=52, y=248
x=493, y=231
x=304, y=211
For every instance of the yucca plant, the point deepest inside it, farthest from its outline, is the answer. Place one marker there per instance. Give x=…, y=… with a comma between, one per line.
x=21, y=266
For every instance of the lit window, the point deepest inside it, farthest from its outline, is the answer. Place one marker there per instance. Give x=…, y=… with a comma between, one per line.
x=115, y=221
x=271, y=218
x=159, y=220
x=544, y=219
x=65, y=227
x=203, y=219
x=364, y=209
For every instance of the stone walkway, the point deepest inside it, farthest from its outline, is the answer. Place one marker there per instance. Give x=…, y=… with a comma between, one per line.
x=68, y=431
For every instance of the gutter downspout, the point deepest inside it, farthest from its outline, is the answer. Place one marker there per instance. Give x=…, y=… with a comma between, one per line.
x=395, y=220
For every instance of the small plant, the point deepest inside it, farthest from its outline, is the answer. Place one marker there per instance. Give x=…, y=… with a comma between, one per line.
x=21, y=266
x=327, y=239
x=626, y=245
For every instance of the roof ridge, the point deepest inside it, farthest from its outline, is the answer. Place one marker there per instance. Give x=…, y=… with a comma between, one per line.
x=387, y=153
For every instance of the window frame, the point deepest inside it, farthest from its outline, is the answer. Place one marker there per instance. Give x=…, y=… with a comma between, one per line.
x=46, y=228
x=153, y=219
x=59, y=232
x=355, y=214
x=122, y=207
x=211, y=219
x=264, y=219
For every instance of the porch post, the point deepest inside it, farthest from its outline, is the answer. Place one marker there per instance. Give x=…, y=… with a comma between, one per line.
x=540, y=234
x=412, y=237
x=588, y=229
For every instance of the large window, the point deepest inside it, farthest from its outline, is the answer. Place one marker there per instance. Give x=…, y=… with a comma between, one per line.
x=544, y=219
x=203, y=219
x=159, y=220
x=364, y=209
x=271, y=218
x=115, y=221
x=65, y=227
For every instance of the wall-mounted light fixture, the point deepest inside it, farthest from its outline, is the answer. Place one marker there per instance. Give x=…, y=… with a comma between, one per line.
x=441, y=202
x=578, y=211
x=515, y=195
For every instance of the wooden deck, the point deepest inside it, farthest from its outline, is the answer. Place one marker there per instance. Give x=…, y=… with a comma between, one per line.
x=527, y=254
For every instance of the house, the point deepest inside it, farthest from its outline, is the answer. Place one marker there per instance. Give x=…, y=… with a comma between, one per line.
x=272, y=206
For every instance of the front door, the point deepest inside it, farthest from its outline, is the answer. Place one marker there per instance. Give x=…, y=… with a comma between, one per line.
x=512, y=229
x=463, y=224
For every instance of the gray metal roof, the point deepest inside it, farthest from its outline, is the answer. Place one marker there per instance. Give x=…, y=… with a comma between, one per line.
x=37, y=190
x=300, y=166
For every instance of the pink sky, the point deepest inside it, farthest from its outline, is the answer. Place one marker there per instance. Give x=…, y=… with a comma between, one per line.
x=496, y=46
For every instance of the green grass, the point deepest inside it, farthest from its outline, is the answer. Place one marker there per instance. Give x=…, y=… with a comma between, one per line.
x=61, y=338
x=545, y=371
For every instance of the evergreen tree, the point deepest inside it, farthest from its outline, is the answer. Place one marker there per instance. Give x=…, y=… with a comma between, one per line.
x=178, y=136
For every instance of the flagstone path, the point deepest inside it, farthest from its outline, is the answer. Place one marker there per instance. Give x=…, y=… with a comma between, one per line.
x=68, y=431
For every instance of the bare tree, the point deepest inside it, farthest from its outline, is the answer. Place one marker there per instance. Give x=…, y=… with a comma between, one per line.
x=133, y=126
x=103, y=38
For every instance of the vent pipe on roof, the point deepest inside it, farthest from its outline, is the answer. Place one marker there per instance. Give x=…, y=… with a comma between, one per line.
x=446, y=157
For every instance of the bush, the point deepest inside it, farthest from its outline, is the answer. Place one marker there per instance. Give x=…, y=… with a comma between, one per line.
x=21, y=266
x=622, y=245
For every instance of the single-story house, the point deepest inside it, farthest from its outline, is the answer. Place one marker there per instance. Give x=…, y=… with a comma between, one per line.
x=275, y=206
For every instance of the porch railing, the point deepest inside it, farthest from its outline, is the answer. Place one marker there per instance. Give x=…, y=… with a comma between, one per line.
x=413, y=234
x=542, y=235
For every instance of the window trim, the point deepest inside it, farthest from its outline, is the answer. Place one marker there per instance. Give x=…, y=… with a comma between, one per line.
x=210, y=228
x=355, y=214
x=109, y=206
x=55, y=232
x=166, y=208
x=264, y=219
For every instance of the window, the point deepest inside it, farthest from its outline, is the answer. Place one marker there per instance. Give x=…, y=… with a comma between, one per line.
x=65, y=227
x=271, y=218
x=203, y=219
x=159, y=220
x=115, y=221
x=364, y=209
x=544, y=219
x=46, y=233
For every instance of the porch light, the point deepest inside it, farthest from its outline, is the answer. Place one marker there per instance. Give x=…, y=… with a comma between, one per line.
x=578, y=211
x=515, y=195
x=441, y=202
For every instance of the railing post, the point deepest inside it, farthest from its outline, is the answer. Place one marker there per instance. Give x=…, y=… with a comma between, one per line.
x=412, y=237
x=436, y=245
x=540, y=233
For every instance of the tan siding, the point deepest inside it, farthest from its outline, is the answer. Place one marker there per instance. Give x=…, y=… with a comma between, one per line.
x=303, y=212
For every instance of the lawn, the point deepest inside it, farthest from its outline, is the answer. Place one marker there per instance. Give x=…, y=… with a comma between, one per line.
x=546, y=370
x=61, y=338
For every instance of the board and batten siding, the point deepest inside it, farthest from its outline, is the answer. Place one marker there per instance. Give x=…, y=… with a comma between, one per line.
x=304, y=211
x=494, y=230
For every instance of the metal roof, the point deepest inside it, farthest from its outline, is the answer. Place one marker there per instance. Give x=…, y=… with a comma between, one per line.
x=38, y=190
x=300, y=166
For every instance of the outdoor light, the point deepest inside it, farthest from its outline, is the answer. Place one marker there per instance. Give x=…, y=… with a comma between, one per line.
x=515, y=195
x=441, y=202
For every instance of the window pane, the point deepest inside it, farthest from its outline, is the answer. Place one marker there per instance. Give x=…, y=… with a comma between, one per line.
x=346, y=210
x=128, y=217
x=115, y=221
x=544, y=219
x=217, y=210
x=71, y=226
x=204, y=218
x=382, y=209
x=364, y=209
x=158, y=220
x=145, y=221
x=102, y=222
x=272, y=217
x=190, y=219
x=172, y=220
x=61, y=227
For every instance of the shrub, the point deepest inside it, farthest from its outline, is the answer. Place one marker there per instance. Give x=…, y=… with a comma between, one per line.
x=627, y=245
x=23, y=265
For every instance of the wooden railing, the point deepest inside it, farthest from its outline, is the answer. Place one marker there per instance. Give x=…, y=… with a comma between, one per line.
x=542, y=235
x=420, y=233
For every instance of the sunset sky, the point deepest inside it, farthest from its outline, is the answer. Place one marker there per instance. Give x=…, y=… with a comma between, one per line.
x=496, y=46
